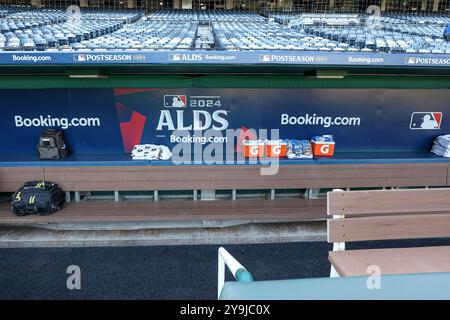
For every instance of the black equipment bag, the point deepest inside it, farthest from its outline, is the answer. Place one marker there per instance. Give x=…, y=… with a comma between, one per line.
x=52, y=145
x=37, y=197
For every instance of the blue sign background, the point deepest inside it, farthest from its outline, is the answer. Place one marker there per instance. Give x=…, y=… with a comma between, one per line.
x=60, y=103
x=385, y=115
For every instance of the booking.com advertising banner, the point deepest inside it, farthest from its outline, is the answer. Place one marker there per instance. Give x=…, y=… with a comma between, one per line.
x=260, y=57
x=112, y=121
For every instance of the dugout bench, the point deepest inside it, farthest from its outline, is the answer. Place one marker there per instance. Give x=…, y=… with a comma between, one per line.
x=86, y=176
x=373, y=215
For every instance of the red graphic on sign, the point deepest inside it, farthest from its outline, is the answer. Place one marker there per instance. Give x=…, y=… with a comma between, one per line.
x=437, y=117
x=123, y=91
x=244, y=134
x=132, y=129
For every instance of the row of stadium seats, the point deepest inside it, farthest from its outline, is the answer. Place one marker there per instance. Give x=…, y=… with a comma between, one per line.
x=438, y=19
x=9, y=9
x=310, y=19
x=337, y=19
x=205, y=16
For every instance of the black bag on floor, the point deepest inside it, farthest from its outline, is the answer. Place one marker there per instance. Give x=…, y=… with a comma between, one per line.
x=52, y=145
x=37, y=197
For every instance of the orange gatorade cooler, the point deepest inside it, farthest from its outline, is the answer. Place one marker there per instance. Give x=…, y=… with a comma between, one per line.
x=275, y=148
x=323, y=149
x=253, y=148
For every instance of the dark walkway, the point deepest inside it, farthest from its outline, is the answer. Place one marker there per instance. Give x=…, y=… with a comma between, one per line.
x=160, y=272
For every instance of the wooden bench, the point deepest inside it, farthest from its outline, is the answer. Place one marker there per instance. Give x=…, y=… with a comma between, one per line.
x=387, y=215
x=176, y=211
x=156, y=178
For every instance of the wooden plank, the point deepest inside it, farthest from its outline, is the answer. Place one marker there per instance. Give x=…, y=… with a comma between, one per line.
x=171, y=184
x=11, y=186
x=21, y=169
x=448, y=175
x=392, y=261
x=244, y=177
x=389, y=227
x=230, y=173
x=307, y=167
x=12, y=178
x=125, y=178
x=285, y=171
x=388, y=201
x=141, y=211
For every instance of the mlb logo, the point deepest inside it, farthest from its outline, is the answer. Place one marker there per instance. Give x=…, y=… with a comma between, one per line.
x=411, y=60
x=176, y=57
x=266, y=58
x=426, y=120
x=172, y=101
x=79, y=57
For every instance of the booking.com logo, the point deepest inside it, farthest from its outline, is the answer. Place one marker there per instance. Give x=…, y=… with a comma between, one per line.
x=32, y=58
x=49, y=121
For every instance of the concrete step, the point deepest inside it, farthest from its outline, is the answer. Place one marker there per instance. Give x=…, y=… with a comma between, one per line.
x=14, y=237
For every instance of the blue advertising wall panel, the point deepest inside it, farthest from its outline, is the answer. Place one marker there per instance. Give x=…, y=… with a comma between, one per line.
x=111, y=121
x=25, y=113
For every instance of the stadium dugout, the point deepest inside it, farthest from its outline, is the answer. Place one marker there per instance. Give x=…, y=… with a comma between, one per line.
x=119, y=63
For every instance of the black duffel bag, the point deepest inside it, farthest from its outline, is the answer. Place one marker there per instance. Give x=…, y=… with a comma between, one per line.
x=37, y=197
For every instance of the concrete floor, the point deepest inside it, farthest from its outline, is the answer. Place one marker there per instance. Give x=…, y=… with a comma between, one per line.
x=159, y=272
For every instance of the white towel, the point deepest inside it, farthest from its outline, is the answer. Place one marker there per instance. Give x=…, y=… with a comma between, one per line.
x=441, y=146
x=150, y=152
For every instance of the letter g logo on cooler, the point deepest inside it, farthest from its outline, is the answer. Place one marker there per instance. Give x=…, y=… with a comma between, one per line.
x=276, y=150
x=254, y=150
x=325, y=149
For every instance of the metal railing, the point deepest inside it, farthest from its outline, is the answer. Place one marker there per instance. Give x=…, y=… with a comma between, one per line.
x=239, y=272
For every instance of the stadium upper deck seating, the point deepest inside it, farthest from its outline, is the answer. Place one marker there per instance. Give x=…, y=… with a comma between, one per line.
x=26, y=29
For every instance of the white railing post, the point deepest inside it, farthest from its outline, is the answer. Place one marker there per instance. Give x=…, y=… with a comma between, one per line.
x=221, y=275
x=337, y=246
x=239, y=272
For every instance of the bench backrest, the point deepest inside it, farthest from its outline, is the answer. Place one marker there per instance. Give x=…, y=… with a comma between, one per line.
x=97, y=177
x=388, y=214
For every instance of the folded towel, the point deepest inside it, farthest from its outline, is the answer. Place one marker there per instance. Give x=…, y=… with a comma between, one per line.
x=150, y=152
x=441, y=146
